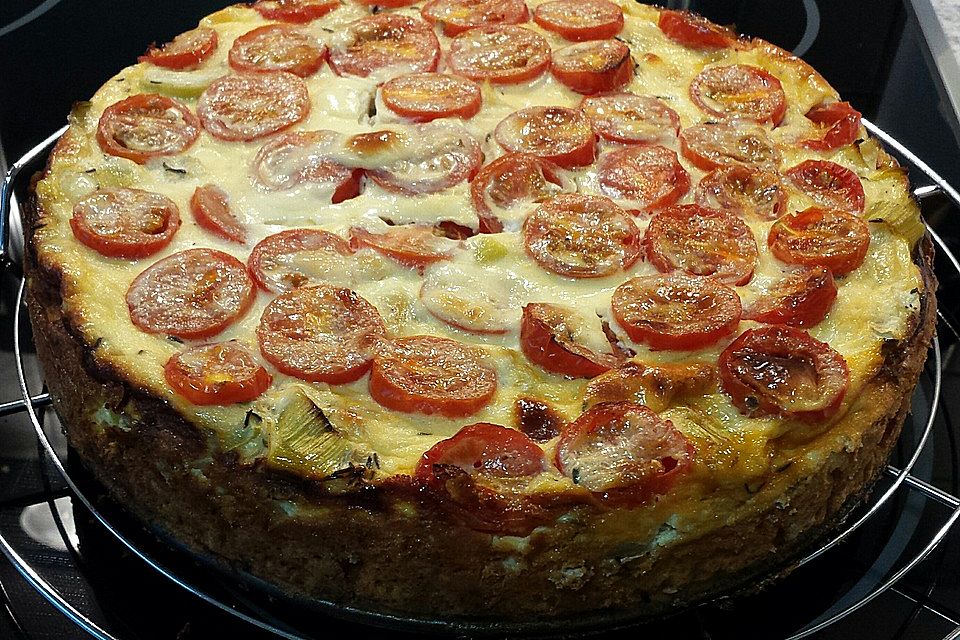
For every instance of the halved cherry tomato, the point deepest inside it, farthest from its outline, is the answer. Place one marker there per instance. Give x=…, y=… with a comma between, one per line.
x=504, y=54
x=412, y=245
x=739, y=91
x=631, y=119
x=298, y=11
x=593, y=67
x=781, y=370
x=466, y=301
x=125, y=223
x=711, y=146
x=429, y=374
x=512, y=179
x=676, y=311
x=828, y=184
x=253, y=105
x=297, y=258
x=195, y=293
x=304, y=157
x=649, y=176
x=548, y=338
x=443, y=155
x=388, y=4
x=581, y=236
x=216, y=374
x=800, y=299
x=457, y=16
x=383, y=41
x=744, y=191
x=144, y=126
x=426, y=96
x=321, y=333
x=694, y=31
x=580, y=20
x=484, y=449
x=277, y=47
x=211, y=208
x=186, y=51
x=623, y=452
x=813, y=237
x=702, y=242
x=557, y=134
x=842, y=124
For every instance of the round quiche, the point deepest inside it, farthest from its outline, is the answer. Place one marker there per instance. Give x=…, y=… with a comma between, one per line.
x=473, y=310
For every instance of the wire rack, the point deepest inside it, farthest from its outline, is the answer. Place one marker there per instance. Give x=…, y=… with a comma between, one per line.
x=902, y=482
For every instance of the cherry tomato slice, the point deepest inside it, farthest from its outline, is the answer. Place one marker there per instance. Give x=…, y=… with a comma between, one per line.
x=813, y=237
x=593, y=67
x=457, y=16
x=782, y=371
x=186, y=51
x=125, y=223
x=195, y=293
x=548, y=337
x=581, y=236
x=743, y=191
x=841, y=122
x=739, y=91
x=211, y=208
x=580, y=20
x=828, y=184
x=504, y=54
x=442, y=156
x=297, y=258
x=429, y=374
x=297, y=11
x=702, y=242
x=384, y=41
x=321, y=333
x=466, y=301
x=145, y=126
x=623, y=452
x=711, y=146
x=507, y=183
x=631, y=119
x=388, y=4
x=253, y=105
x=222, y=373
x=277, y=47
x=412, y=245
x=649, y=176
x=422, y=97
x=800, y=299
x=676, y=311
x=562, y=136
x=484, y=449
x=303, y=157
x=694, y=31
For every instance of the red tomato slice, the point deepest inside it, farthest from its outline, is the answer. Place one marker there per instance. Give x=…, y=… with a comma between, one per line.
x=828, y=184
x=631, y=119
x=676, y=311
x=186, y=51
x=649, y=176
x=442, y=156
x=298, y=11
x=466, y=301
x=125, y=223
x=211, y=208
x=222, y=373
x=195, y=293
x=782, y=371
x=580, y=20
x=253, y=105
x=841, y=122
x=510, y=181
x=297, y=258
x=711, y=146
x=426, y=96
x=702, y=242
x=412, y=245
x=581, y=236
x=145, y=126
x=321, y=333
x=383, y=41
x=813, y=237
x=593, y=67
x=277, y=47
x=548, y=338
x=303, y=157
x=801, y=299
x=739, y=91
x=504, y=54
x=744, y=191
x=694, y=31
x=560, y=135
x=485, y=450
x=623, y=452
x=429, y=374
x=457, y=16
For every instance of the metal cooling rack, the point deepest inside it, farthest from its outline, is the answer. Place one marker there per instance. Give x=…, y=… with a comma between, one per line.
x=903, y=481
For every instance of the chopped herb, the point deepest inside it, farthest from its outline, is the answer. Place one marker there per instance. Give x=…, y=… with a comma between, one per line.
x=174, y=169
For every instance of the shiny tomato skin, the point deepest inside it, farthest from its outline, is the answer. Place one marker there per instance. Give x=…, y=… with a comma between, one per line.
x=296, y=11
x=448, y=157
x=828, y=184
x=422, y=97
x=649, y=176
x=146, y=126
x=221, y=374
x=739, y=91
x=478, y=54
x=457, y=16
x=382, y=41
x=580, y=20
x=544, y=340
x=312, y=151
x=277, y=47
x=186, y=51
x=631, y=119
x=711, y=146
x=830, y=238
x=269, y=260
x=210, y=206
x=592, y=67
x=562, y=136
x=125, y=223
x=744, y=191
x=416, y=245
x=512, y=179
x=484, y=449
x=233, y=107
x=800, y=299
x=841, y=122
x=694, y=31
